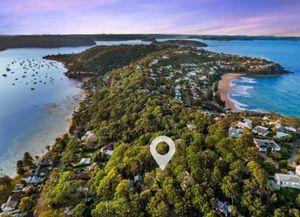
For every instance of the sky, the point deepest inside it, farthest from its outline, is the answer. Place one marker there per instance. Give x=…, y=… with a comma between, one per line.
x=202, y=17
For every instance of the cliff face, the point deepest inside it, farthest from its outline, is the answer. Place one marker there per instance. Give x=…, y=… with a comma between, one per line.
x=43, y=41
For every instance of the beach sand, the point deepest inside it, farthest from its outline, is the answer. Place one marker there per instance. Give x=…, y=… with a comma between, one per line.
x=224, y=89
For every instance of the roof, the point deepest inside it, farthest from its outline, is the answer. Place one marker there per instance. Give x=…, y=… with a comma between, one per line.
x=223, y=207
x=11, y=202
x=281, y=134
x=264, y=143
x=260, y=130
x=85, y=161
x=246, y=123
x=291, y=129
x=18, y=187
x=235, y=133
x=288, y=177
x=33, y=180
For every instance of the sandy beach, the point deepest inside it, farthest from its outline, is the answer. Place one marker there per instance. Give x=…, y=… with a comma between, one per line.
x=224, y=88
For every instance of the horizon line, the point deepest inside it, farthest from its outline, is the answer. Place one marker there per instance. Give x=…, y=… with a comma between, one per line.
x=173, y=34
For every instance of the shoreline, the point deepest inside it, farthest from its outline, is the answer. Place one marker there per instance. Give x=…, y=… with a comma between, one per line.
x=224, y=89
x=75, y=104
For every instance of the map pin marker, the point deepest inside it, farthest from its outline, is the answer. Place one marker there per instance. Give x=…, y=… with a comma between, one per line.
x=162, y=160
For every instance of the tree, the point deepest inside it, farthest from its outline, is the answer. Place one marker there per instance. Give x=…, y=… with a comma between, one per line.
x=210, y=94
x=26, y=204
x=20, y=168
x=65, y=191
x=158, y=209
x=230, y=188
x=27, y=160
x=81, y=210
x=297, y=201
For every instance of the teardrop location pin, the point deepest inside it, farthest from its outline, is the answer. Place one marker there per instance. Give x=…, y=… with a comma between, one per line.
x=162, y=160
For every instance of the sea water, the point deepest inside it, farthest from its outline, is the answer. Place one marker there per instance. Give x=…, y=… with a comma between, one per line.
x=280, y=94
x=36, y=100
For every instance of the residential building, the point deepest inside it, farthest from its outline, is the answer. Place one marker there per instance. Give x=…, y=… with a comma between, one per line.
x=281, y=134
x=12, y=202
x=34, y=180
x=261, y=131
x=235, y=133
x=263, y=145
x=246, y=123
x=223, y=208
x=85, y=161
x=288, y=180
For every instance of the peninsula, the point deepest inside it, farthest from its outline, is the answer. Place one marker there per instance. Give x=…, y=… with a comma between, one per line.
x=43, y=41
x=223, y=162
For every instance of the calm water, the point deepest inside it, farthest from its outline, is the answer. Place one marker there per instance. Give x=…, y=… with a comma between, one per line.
x=272, y=94
x=36, y=101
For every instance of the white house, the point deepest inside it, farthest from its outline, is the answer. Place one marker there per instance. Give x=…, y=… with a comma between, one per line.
x=264, y=144
x=288, y=180
x=246, y=123
x=262, y=131
x=235, y=133
x=85, y=161
x=12, y=202
x=281, y=134
x=291, y=129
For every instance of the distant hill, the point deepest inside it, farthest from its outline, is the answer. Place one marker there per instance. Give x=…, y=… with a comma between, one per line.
x=124, y=37
x=149, y=37
x=180, y=43
x=43, y=41
x=101, y=59
x=46, y=41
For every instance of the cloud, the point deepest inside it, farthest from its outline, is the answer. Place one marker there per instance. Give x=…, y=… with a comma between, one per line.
x=155, y=16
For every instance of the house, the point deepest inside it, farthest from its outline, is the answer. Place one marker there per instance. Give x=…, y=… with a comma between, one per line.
x=284, y=129
x=108, y=149
x=12, y=202
x=279, y=127
x=89, y=136
x=246, y=123
x=223, y=208
x=291, y=129
x=288, y=180
x=34, y=180
x=281, y=134
x=85, y=161
x=235, y=133
x=263, y=145
x=18, y=187
x=261, y=131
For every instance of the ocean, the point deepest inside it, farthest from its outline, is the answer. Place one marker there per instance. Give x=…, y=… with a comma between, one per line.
x=279, y=94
